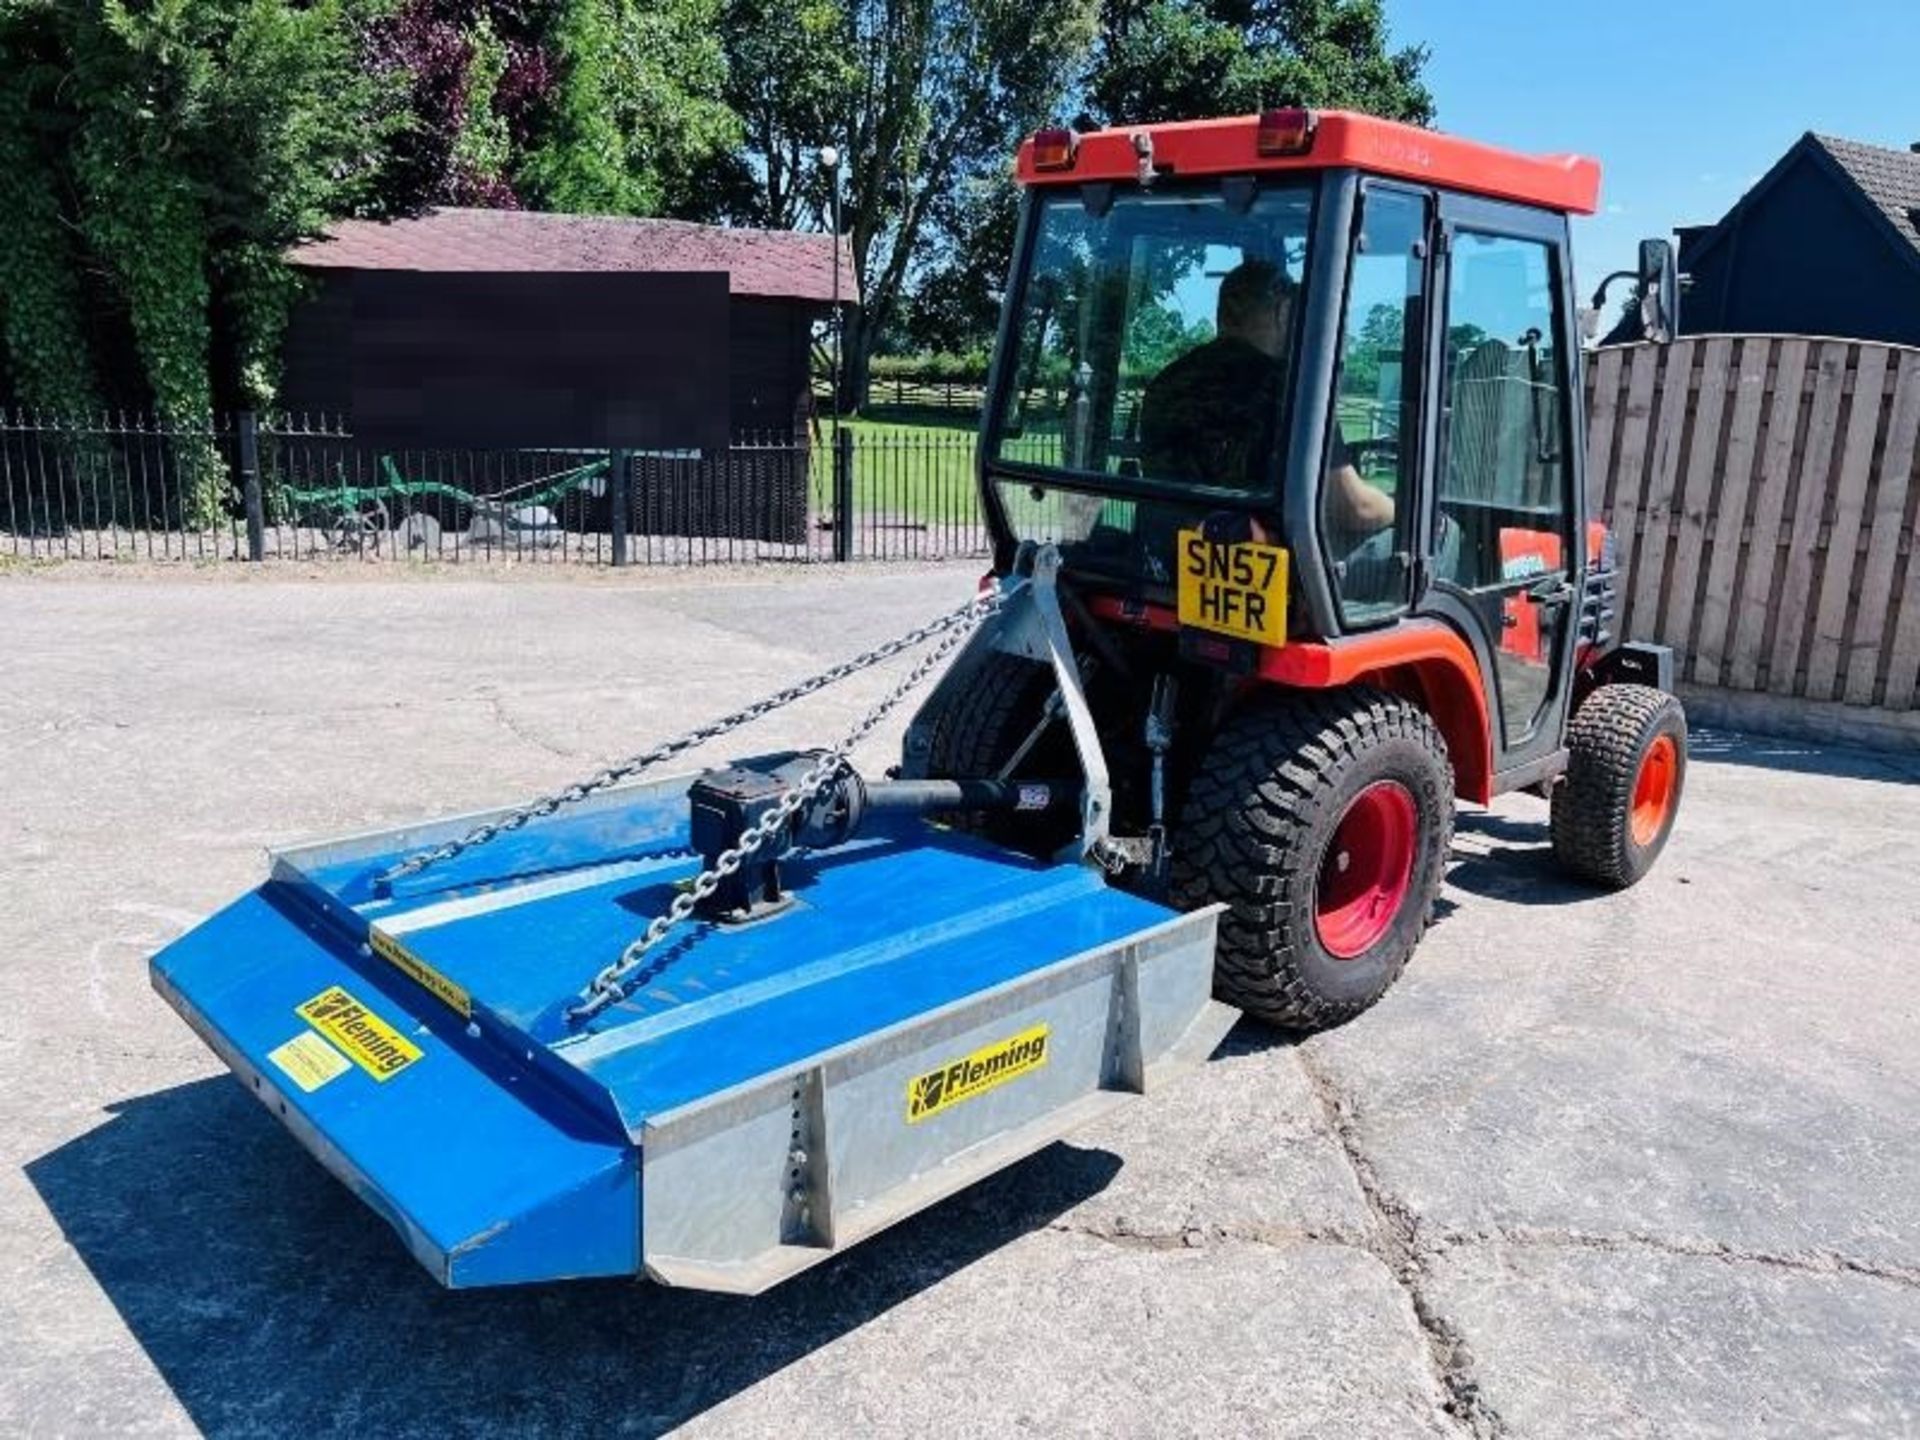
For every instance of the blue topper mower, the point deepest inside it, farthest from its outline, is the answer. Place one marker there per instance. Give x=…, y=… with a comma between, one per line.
x=1281, y=569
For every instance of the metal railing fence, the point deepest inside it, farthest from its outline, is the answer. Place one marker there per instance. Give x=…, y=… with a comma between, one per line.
x=267, y=487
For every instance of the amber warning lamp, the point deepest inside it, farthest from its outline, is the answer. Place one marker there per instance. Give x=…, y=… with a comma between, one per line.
x=1053, y=149
x=1285, y=132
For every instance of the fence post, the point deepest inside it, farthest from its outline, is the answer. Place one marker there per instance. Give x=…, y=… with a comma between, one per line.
x=617, y=495
x=247, y=436
x=842, y=494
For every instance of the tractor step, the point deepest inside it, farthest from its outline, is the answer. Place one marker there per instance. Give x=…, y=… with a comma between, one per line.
x=928, y=1010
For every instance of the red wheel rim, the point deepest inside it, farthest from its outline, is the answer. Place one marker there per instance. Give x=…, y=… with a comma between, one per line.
x=1653, y=790
x=1367, y=870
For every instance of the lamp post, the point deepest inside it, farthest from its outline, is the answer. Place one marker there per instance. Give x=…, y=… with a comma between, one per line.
x=830, y=162
x=842, y=456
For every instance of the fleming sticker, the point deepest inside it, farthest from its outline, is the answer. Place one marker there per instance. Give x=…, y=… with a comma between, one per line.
x=975, y=1074
x=372, y=1044
x=417, y=970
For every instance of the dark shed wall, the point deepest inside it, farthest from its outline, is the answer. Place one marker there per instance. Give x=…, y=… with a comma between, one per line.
x=317, y=353
x=769, y=343
x=1805, y=259
x=771, y=339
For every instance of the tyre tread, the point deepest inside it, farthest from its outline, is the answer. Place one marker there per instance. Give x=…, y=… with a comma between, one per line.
x=1592, y=805
x=1250, y=803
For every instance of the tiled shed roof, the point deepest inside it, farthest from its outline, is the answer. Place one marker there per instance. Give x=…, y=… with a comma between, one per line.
x=1889, y=178
x=777, y=263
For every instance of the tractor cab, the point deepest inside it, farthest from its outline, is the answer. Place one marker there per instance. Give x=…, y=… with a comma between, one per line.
x=1298, y=379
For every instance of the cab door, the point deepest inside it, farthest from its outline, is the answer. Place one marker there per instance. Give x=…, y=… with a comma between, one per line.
x=1503, y=547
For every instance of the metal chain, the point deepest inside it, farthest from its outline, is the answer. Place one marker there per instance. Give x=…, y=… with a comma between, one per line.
x=608, y=986
x=967, y=615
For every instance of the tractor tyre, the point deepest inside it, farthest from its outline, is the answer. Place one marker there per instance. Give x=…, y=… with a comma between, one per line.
x=982, y=724
x=1627, y=764
x=1323, y=821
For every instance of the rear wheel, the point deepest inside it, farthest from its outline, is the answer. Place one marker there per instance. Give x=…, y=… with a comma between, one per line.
x=1323, y=821
x=1626, y=767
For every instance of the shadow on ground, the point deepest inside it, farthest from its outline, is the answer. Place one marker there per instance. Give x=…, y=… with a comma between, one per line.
x=1519, y=868
x=1707, y=745
x=274, y=1303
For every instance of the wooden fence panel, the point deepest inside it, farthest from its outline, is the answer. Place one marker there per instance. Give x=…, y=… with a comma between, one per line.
x=1693, y=495
x=1763, y=490
x=1839, y=578
x=1812, y=482
x=1647, y=556
x=1893, y=520
x=1621, y=491
x=1727, y=534
x=1755, y=595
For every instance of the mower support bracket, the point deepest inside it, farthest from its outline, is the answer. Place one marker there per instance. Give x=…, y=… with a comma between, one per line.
x=1038, y=630
x=1030, y=624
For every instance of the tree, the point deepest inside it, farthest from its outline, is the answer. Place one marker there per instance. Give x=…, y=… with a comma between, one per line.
x=638, y=110
x=427, y=58
x=1173, y=60
x=180, y=147
x=924, y=98
x=41, y=306
x=790, y=78
x=949, y=87
x=1382, y=333
x=1177, y=59
x=955, y=301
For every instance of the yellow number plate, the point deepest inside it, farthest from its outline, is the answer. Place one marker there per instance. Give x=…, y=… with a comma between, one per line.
x=1237, y=590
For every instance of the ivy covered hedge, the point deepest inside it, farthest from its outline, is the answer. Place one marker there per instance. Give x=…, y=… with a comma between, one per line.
x=158, y=157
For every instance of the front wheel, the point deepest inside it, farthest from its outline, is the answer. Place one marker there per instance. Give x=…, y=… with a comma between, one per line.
x=1323, y=821
x=1626, y=767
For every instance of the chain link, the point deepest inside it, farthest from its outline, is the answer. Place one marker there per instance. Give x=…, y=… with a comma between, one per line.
x=609, y=986
x=967, y=616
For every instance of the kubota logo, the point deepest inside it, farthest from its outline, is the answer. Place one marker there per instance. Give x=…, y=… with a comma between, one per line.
x=975, y=1074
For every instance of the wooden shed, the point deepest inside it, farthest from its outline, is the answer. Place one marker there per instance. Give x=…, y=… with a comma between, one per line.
x=466, y=327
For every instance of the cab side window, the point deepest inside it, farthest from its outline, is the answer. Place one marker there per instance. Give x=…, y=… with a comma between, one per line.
x=1503, y=482
x=1503, y=536
x=1366, y=494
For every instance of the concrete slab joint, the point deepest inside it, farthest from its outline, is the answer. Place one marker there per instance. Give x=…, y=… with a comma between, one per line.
x=1395, y=1239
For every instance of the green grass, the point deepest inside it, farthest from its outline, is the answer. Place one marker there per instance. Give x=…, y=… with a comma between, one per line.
x=917, y=425
x=917, y=466
x=914, y=470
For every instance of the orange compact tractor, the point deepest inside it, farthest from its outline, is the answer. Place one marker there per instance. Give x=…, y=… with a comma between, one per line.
x=1293, y=402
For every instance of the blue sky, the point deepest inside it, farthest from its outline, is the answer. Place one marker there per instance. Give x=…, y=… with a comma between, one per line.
x=1684, y=103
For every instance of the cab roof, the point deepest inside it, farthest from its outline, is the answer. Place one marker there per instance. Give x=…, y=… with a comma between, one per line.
x=1339, y=139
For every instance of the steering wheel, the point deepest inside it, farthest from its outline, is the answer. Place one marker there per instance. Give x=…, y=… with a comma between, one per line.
x=1380, y=455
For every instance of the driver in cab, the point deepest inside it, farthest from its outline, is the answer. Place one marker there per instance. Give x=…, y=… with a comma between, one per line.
x=1210, y=415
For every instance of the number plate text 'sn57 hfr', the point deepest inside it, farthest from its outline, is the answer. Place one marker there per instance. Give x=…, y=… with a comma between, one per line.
x=1238, y=590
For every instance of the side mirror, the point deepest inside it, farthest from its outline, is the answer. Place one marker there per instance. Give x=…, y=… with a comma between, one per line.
x=1659, y=291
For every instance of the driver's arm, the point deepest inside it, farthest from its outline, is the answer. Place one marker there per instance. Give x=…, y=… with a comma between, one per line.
x=1356, y=505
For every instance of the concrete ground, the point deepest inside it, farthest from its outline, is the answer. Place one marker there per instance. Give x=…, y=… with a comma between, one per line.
x=1644, y=1164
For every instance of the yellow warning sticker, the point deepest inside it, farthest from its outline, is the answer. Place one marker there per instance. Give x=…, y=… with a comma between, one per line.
x=417, y=970
x=372, y=1044
x=309, y=1061
x=975, y=1074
